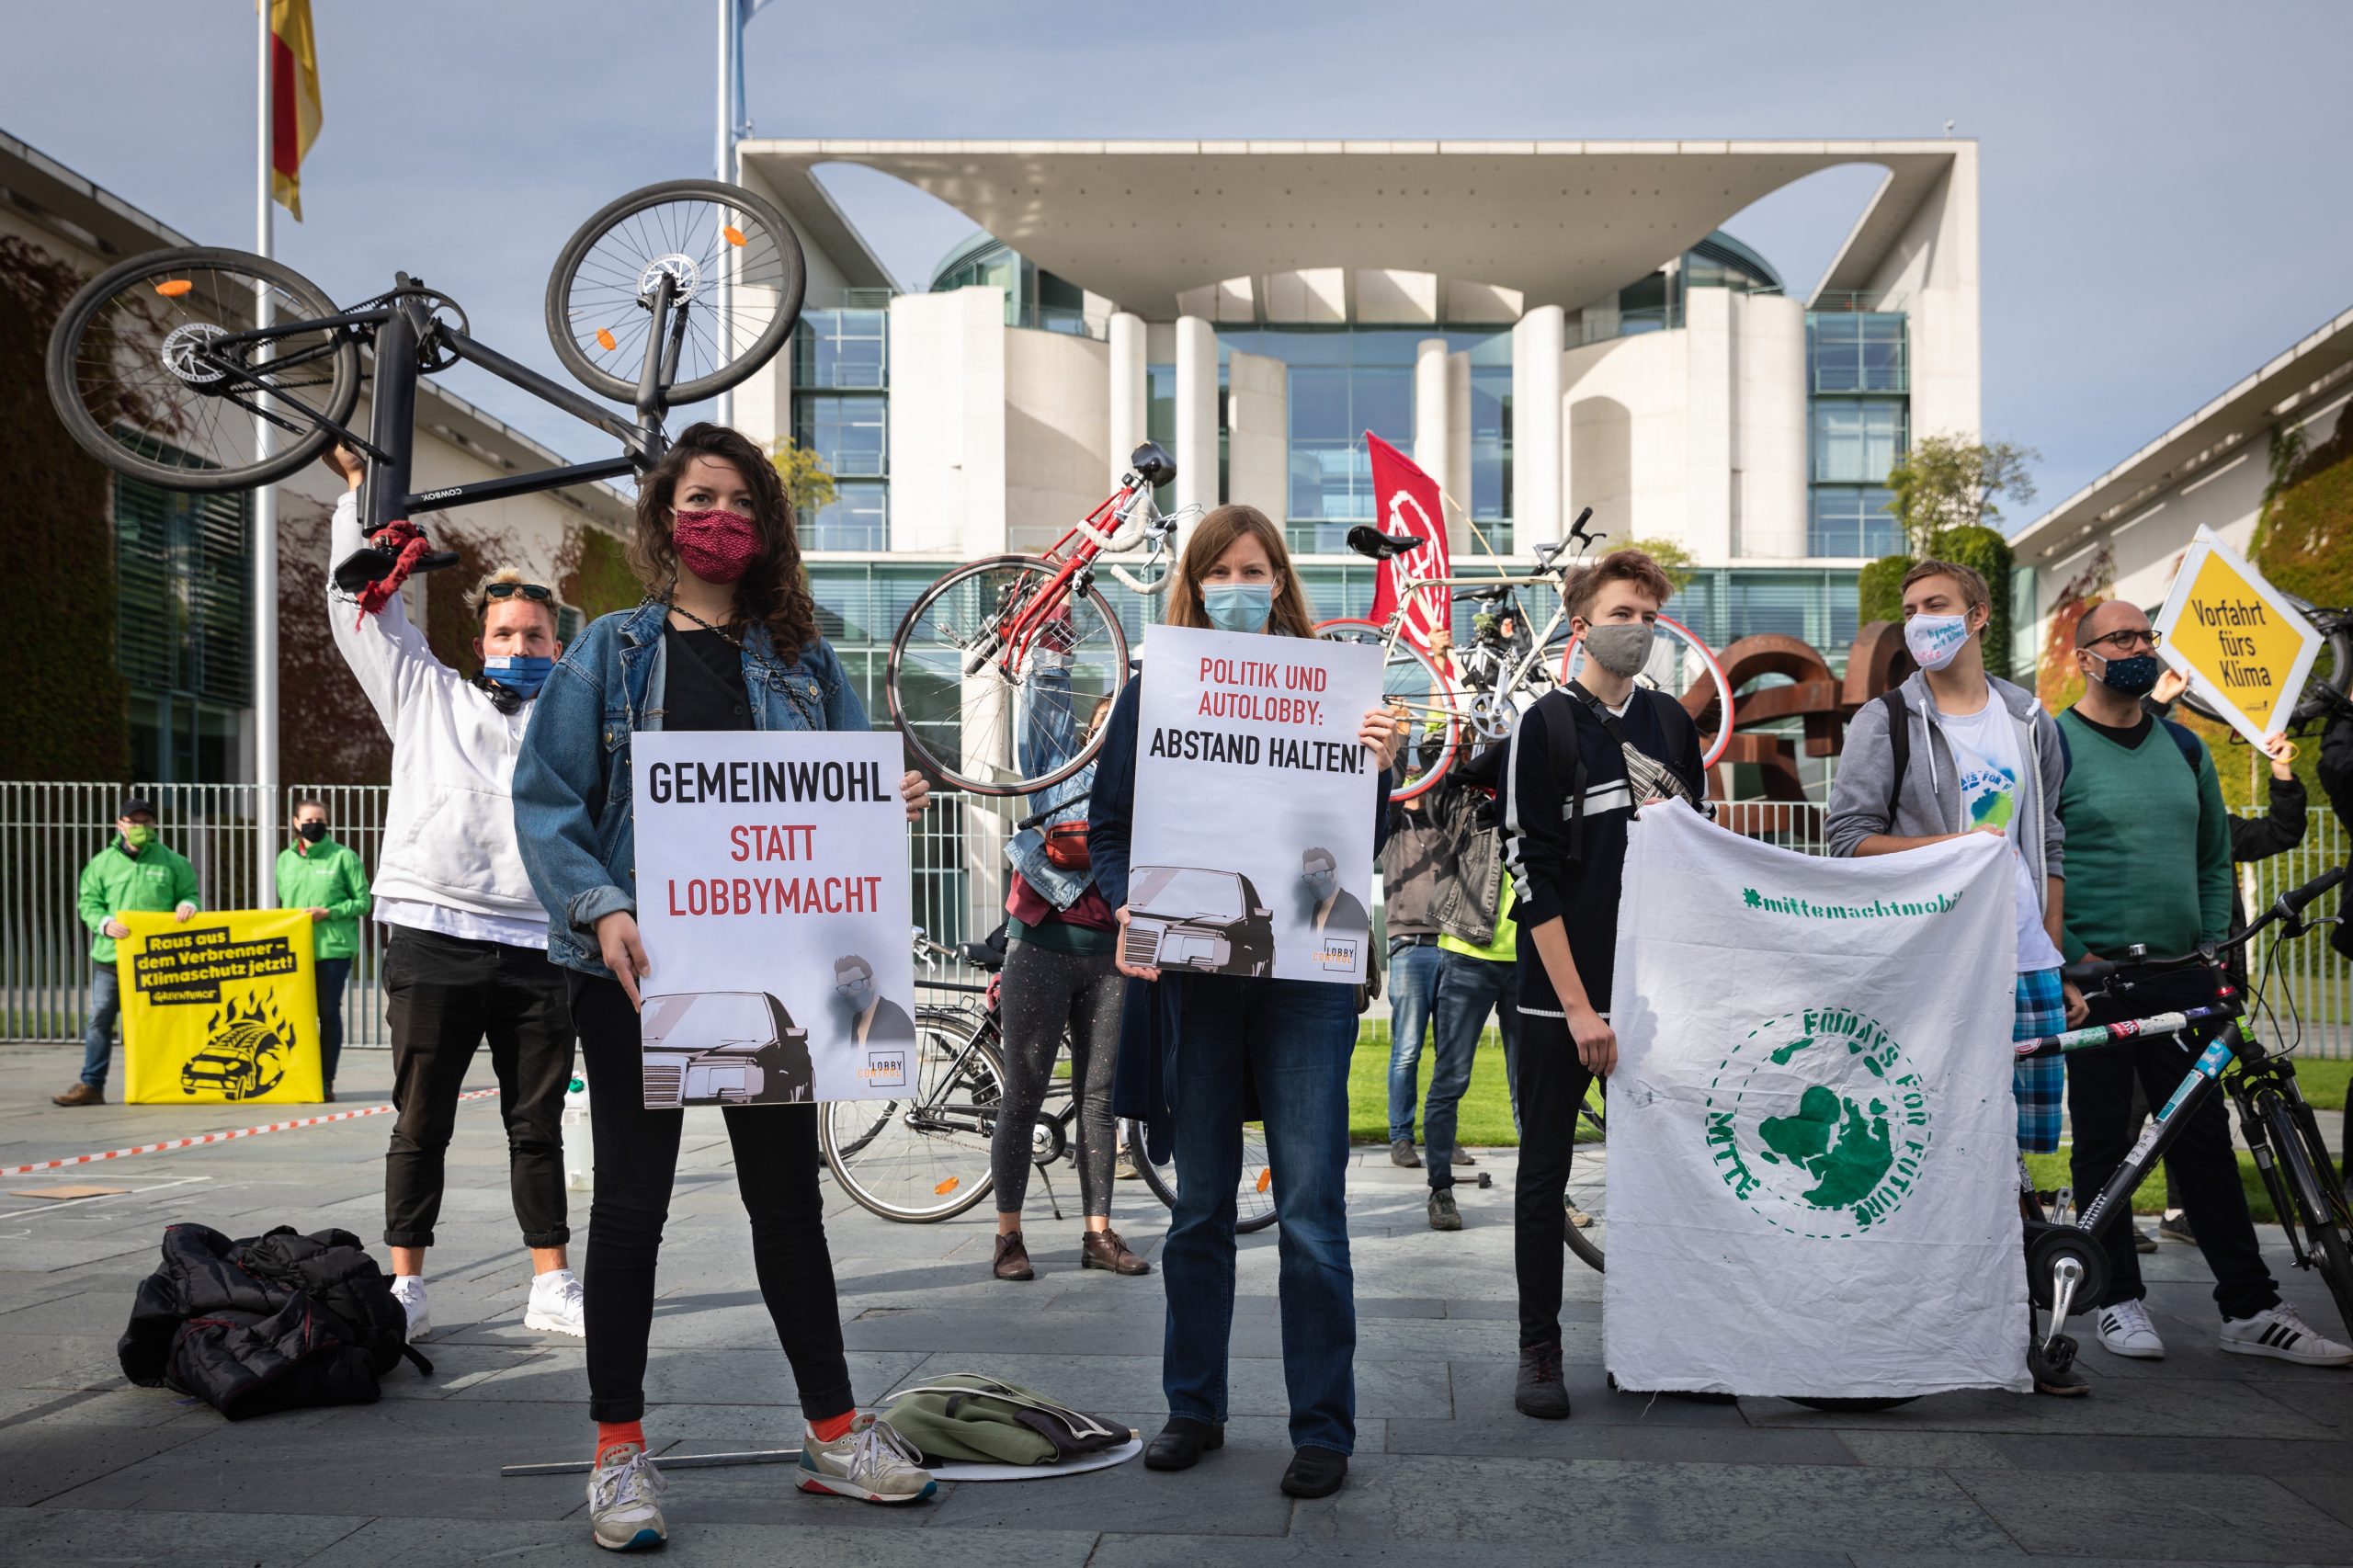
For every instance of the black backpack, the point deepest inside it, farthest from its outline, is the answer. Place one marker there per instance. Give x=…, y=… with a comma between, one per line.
x=333, y=1269
x=1899, y=744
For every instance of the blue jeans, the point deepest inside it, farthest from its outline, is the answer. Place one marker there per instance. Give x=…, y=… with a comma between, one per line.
x=1412, y=985
x=98, y=1040
x=1291, y=1041
x=333, y=973
x=1468, y=990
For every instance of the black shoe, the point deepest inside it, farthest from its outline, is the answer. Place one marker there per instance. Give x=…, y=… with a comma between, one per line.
x=1444, y=1215
x=1462, y=1156
x=1400, y=1152
x=2174, y=1226
x=1181, y=1444
x=2142, y=1241
x=1539, y=1391
x=1316, y=1472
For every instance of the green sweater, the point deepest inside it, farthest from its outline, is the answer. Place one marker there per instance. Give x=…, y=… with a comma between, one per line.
x=2148, y=845
x=158, y=881
x=327, y=877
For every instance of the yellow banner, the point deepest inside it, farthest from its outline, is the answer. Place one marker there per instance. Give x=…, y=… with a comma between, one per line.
x=2245, y=649
x=222, y=1009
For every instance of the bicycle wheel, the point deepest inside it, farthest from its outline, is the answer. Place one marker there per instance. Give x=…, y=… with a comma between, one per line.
x=2309, y=1171
x=2325, y=687
x=1254, y=1194
x=150, y=371
x=992, y=684
x=1677, y=662
x=1408, y=678
x=1587, y=1198
x=924, y=1156
x=697, y=231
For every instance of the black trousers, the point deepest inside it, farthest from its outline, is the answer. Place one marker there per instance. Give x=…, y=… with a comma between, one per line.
x=448, y=994
x=637, y=1161
x=1552, y=1085
x=2204, y=1169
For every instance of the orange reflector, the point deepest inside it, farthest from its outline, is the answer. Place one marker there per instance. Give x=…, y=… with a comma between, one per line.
x=1266, y=1178
x=950, y=1185
x=604, y=338
x=172, y=288
x=735, y=236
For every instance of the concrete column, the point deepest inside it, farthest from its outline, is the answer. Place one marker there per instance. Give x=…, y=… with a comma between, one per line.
x=1258, y=423
x=1455, y=478
x=1128, y=388
x=1196, y=451
x=1540, y=456
x=1431, y=425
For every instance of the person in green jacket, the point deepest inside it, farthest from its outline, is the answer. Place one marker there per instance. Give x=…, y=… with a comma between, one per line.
x=325, y=878
x=136, y=872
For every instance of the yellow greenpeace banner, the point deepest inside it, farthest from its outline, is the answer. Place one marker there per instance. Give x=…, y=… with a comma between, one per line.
x=222, y=1009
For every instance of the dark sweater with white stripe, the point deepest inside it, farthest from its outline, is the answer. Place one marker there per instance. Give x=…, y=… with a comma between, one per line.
x=1574, y=874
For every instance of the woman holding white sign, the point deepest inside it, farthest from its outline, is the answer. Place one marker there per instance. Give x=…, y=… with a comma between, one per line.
x=1201, y=1054
x=726, y=640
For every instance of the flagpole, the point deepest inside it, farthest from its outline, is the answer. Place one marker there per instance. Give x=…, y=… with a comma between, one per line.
x=723, y=160
x=265, y=538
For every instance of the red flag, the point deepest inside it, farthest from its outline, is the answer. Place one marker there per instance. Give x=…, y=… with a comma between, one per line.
x=1405, y=501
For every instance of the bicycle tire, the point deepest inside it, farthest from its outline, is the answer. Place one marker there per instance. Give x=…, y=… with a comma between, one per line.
x=1585, y=1241
x=2325, y=1231
x=2322, y=694
x=96, y=431
x=791, y=286
x=955, y=771
x=1356, y=629
x=966, y=1194
x=1163, y=1190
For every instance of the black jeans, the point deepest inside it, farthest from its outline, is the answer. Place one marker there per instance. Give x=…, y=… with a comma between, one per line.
x=636, y=1160
x=447, y=995
x=1552, y=1085
x=2204, y=1169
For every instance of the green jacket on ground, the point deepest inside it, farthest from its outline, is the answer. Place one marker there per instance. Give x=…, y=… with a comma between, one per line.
x=159, y=880
x=325, y=875
x=2148, y=843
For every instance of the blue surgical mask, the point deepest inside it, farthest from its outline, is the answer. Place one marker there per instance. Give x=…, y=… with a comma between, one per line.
x=2135, y=677
x=522, y=674
x=1238, y=607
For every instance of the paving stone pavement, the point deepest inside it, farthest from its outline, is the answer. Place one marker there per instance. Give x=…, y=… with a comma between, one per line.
x=2202, y=1458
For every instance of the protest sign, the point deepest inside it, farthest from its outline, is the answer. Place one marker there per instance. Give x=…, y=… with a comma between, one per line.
x=2245, y=649
x=222, y=1009
x=1253, y=846
x=1812, y=1139
x=774, y=901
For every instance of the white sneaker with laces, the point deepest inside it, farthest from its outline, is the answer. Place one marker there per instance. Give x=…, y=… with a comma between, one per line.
x=621, y=1507
x=408, y=1289
x=2125, y=1330
x=555, y=1303
x=870, y=1463
x=2280, y=1333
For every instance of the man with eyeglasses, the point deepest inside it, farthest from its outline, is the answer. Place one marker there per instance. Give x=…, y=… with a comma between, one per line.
x=874, y=1018
x=2149, y=862
x=468, y=957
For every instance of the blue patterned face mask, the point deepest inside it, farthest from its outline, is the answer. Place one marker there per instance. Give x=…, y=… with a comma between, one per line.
x=1238, y=607
x=522, y=674
x=2135, y=677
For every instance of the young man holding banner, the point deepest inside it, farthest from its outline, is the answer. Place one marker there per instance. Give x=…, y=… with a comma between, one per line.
x=1583, y=759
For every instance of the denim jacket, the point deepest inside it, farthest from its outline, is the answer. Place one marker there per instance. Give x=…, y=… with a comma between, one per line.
x=573, y=815
x=1048, y=741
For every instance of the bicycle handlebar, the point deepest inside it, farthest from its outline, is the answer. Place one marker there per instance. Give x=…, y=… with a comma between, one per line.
x=2288, y=906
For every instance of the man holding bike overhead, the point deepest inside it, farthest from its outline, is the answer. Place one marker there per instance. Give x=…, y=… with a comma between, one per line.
x=1582, y=760
x=2149, y=844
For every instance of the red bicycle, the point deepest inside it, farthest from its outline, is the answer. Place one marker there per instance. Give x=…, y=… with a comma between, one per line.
x=997, y=660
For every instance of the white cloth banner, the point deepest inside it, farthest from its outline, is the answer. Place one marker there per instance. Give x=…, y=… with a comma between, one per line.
x=1811, y=1166
x=774, y=900
x=1253, y=846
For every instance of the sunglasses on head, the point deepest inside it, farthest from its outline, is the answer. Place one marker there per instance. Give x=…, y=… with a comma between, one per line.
x=531, y=591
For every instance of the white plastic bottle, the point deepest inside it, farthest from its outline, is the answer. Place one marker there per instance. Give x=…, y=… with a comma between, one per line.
x=579, y=1147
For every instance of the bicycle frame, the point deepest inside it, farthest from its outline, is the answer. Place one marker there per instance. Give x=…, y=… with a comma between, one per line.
x=1105, y=528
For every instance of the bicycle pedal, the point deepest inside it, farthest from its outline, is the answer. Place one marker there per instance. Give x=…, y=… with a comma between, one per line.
x=1486, y=1179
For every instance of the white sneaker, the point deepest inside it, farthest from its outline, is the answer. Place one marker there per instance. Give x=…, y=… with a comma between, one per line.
x=871, y=1462
x=408, y=1289
x=2125, y=1330
x=2280, y=1333
x=555, y=1304
x=621, y=1507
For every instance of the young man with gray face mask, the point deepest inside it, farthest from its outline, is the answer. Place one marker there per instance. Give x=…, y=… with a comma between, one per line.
x=1582, y=760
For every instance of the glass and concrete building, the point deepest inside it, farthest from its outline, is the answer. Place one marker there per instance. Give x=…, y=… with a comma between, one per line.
x=1543, y=325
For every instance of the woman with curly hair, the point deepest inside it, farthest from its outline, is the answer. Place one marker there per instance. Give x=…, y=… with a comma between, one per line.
x=726, y=640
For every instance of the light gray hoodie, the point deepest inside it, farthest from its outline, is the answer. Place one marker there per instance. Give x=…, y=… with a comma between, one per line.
x=1929, y=802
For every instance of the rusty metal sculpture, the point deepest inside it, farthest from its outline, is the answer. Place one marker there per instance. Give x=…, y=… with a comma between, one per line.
x=1822, y=700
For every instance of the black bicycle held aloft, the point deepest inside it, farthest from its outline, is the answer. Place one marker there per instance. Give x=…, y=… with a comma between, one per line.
x=168, y=367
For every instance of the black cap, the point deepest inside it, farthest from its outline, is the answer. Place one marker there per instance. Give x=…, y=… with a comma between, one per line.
x=134, y=804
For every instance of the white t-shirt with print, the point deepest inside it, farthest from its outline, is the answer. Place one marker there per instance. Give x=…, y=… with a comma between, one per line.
x=1985, y=749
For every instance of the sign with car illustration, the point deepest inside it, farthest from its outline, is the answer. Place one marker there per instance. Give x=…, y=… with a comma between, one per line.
x=220, y=1009
x=1255, y=805
x=774, y=899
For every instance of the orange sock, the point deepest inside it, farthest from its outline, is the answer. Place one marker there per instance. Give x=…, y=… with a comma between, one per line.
x=834, y=1426
x=612, y=1434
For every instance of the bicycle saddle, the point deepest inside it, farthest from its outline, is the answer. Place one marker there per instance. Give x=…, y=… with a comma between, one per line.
x=980, y=955
x=1485, y=596
x=1370, y=542
x=1153, y=465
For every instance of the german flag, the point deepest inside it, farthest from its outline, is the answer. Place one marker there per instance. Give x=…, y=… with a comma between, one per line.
x=294, y=112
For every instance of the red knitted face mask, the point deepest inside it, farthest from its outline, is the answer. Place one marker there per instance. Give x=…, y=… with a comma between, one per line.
x=716, y=546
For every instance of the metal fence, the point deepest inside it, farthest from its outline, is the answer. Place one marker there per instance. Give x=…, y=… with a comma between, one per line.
x=47, y=832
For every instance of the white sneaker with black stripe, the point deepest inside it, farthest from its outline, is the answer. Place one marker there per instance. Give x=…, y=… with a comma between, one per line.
x=2280, y=1333
x=2124, y=1329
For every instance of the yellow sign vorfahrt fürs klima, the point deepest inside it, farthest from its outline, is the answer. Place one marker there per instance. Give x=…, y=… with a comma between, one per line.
x=2244, y=647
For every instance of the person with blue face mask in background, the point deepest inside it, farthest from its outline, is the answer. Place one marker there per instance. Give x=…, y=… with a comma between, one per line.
x=1201, y=1054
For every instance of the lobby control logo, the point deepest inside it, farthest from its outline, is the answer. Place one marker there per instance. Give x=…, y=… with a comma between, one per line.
x=1817, y=1123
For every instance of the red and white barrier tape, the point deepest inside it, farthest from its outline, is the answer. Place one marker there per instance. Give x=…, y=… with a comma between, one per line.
x=219, y=1137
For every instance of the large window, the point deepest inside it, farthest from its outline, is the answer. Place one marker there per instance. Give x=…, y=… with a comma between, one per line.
x=1852, y=520
x=846, y=350
x=1857, y=440
x=841, y=412
x=183, y=573
x=1858, y=351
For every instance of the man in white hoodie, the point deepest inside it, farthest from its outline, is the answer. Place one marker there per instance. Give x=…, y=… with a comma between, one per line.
x=468, y=960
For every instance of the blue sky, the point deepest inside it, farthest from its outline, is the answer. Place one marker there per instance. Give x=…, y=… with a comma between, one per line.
x=2166, y=200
